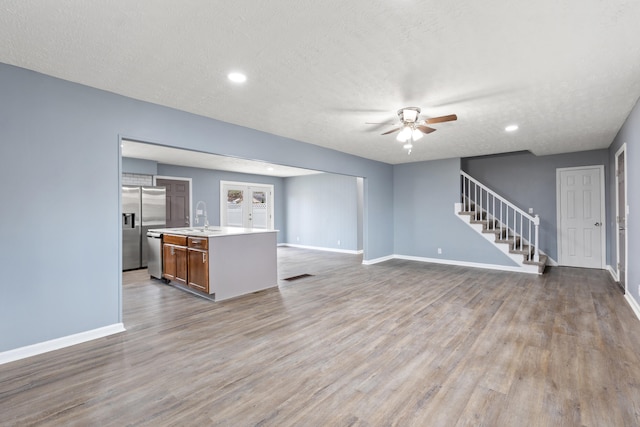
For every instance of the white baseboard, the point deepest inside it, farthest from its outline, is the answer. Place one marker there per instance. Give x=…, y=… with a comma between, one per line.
x=613, y=273
x=58, y=343
x=633, y=303
x=319, y=248
x=627, y=295
x=377, y=260
x=532, y=270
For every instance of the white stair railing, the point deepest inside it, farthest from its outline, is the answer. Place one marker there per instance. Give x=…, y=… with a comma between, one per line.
x=514, y=225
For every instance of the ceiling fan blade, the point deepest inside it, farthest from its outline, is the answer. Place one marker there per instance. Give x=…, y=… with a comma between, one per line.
x=425, y=129
x=449, y=118
x=375, y=127
x=390, y=131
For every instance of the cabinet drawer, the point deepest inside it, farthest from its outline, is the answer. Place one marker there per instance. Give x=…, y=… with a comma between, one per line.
x=175, y=239
x=198, y=242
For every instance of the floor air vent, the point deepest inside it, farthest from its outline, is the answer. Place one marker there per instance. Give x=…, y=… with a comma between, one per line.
x=300, y=276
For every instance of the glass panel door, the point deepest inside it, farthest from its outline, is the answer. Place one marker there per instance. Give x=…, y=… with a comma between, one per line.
x=258, y=218
x=235, y=208
x=246, y=205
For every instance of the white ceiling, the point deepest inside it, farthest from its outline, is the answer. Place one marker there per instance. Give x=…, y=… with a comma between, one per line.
x=566, y=72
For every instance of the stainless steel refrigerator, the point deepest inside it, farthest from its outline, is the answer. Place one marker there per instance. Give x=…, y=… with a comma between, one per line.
x=142, y=208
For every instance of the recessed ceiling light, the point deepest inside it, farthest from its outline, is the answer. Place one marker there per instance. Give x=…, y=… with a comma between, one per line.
x=269, y=168
x=511, y=128
x=237, y=77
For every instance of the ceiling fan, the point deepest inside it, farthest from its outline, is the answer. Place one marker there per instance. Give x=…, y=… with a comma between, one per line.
x=412, y=127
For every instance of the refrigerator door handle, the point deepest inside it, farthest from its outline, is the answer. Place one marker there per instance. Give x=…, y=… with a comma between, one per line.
x=128, y=220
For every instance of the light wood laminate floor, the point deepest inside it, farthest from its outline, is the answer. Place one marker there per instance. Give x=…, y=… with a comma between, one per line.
x=398, y=343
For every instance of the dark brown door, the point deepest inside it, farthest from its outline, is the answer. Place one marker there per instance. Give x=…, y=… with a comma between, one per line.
x=177, y=202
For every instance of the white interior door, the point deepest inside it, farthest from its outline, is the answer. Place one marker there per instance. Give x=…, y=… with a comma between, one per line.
x=246, y=205
x=581, y=216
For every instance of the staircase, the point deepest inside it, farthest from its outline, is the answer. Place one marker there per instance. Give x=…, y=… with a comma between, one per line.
x=508, y=227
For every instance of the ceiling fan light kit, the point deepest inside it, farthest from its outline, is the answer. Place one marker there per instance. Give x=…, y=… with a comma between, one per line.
x=412, y=128
x=404, y=134
x=409, y=114
x=409, y=132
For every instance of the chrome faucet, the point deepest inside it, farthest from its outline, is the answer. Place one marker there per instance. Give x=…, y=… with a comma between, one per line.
x=202, y=212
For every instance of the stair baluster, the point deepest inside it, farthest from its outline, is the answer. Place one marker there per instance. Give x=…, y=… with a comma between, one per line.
x=494, y=211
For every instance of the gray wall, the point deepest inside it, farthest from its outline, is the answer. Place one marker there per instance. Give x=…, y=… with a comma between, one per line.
x=529, y=181
x=206, y=187
x=424, y=217
x=62, y=264
x=59, y=210
x=322, y=209
x=629, y=134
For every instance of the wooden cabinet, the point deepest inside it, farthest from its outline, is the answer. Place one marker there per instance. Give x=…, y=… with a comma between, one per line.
x=186, y=261
x=198, y=263
x=174, y=256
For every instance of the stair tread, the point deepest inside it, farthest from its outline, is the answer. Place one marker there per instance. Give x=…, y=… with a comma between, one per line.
x=504, y=235
x=505, y=241
x=525, y=250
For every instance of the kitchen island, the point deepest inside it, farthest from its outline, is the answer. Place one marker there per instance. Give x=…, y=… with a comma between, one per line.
x=224, y=262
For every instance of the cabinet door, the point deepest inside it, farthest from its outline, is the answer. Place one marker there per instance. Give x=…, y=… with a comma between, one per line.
x=181, y=264
x=199, y=270
x=168, y=262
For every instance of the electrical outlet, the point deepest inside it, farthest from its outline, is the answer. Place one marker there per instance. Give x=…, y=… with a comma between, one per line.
x=530, y=210
x=439, y=251
x=338, y=242
x=297, y=238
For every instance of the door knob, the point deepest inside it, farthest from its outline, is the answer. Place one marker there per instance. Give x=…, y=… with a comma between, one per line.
x=597, y=224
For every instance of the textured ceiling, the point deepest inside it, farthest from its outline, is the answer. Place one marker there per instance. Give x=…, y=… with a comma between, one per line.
x=566, y=72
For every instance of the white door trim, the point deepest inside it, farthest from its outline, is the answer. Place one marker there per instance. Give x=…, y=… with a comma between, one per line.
x=180, y=178
x=603, y=256
x=223, y=201
x=622, y=150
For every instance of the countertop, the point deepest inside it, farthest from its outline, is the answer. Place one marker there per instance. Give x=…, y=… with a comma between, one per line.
x=211, y=231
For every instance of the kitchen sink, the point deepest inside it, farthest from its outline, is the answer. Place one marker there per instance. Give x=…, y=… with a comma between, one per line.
x=197, y=230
